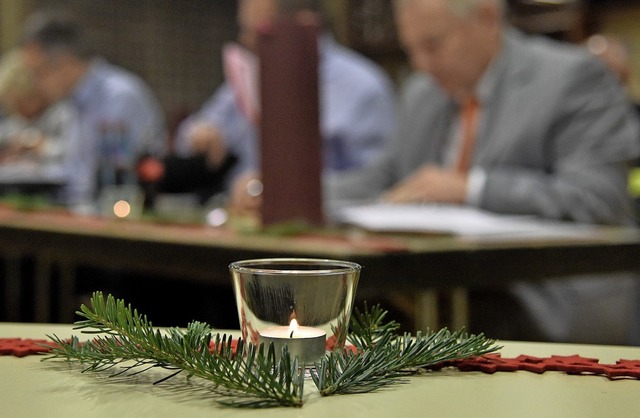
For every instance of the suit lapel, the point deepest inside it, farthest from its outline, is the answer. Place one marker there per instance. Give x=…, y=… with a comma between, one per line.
x=506, y=103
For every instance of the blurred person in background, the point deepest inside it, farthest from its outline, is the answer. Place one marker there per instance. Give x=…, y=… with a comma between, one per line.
x=554, y=137
x=116, y=109
x=357, y=111
x=616, y=55
x=119, y=121
x=34, y=134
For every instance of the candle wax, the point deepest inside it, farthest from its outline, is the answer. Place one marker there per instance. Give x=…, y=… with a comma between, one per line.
x=306, y=343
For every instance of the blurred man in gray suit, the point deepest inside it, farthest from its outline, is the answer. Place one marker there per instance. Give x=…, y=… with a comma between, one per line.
x=552, y=135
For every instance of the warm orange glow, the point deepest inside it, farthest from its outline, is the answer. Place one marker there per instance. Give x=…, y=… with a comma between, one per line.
x=293, y=327
x=122, y=209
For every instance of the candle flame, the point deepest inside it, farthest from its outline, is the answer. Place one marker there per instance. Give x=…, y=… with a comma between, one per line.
x=293, y=327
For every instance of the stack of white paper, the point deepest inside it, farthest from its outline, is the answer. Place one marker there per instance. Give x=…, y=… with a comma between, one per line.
x=458, y=220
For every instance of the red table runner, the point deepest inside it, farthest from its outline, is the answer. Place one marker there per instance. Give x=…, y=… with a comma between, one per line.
x=490, y=363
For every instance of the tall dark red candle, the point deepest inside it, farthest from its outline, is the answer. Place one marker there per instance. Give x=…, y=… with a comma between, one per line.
x=290, y=141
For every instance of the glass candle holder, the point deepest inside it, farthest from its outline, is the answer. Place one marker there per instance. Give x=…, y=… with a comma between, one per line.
x=303, y=303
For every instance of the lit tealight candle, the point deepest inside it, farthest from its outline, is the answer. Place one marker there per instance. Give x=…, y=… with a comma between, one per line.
x=307, y=343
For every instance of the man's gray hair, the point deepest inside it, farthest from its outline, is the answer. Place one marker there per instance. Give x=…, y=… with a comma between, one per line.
x=291, y=7
x=462, y=7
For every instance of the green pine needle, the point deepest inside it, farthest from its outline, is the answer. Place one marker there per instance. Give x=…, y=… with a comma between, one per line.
x=125, y=343
x=383, y=357
x=249, y=377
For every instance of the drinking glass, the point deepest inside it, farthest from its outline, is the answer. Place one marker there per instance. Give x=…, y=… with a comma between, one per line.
x=317, y=294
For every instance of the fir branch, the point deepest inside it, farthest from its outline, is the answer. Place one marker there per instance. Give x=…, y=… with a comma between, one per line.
x=248, y=377
x=125, y=342
x=383, y=358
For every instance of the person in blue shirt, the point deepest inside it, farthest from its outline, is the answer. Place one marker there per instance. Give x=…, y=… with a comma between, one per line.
x=356, y=103
x=110, y=101
x=33, y=136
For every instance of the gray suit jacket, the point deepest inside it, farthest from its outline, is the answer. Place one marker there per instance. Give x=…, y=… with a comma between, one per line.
x=556, y=137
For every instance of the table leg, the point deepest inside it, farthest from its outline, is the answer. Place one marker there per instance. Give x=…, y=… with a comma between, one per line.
x=66, y=292
x=459, y=309
x=427, y=311
x=12, y=287
x=42, y=289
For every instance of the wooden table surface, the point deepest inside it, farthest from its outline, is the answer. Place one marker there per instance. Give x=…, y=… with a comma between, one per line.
x=411, y=262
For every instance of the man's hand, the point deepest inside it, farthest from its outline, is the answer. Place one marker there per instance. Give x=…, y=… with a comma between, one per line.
x=430, y=184
x=206, y=139
x=246, y=195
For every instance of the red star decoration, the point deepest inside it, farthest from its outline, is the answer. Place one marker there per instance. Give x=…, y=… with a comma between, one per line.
x=20, y=347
